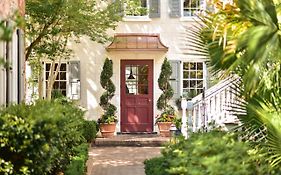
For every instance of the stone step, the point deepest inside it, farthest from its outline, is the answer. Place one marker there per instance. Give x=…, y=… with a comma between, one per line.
x=145, y=140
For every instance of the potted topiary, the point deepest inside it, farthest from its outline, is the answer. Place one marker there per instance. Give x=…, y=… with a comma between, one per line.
x=166, y=118
x=107, y=122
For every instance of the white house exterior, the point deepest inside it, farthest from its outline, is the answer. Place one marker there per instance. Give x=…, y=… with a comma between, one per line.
x=12, y=78
x=140, y=45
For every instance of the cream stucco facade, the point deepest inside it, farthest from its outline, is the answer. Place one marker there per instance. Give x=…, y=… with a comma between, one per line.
x=91, y=55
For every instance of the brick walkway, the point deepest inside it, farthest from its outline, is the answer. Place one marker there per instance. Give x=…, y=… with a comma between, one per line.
x=119, y=160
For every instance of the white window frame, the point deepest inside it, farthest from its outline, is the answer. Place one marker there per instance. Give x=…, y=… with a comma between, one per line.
x=191, y=17
x=182, y=75
x=137, y=18
x=67, y=78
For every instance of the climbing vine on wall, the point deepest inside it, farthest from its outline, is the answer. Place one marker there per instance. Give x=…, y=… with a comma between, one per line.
x=164, y=85
x=107, y=84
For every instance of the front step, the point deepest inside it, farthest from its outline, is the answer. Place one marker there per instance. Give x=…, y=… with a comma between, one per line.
x=149, y=140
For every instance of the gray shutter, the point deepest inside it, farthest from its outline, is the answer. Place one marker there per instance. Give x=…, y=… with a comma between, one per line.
x=175, y=77
x=74, y=80
x=175, y=8
x=154, y=8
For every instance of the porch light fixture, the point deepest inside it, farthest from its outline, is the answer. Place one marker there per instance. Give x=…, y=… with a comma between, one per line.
x=131, y=76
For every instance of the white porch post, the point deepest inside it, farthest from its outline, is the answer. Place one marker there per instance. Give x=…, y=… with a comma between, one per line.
x=187, y=107
x=184, y=118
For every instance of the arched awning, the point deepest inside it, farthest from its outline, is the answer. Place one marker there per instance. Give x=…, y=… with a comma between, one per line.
x=137, y=42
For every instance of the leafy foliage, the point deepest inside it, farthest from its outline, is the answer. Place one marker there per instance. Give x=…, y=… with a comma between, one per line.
x=90, y=129
x=48, y=131
x=134, y=8
x=50, y=25
x=215, y=153
x=164, y=85
x=77, y=164
x=107, y=84
x=243, y=39
x=155, y=166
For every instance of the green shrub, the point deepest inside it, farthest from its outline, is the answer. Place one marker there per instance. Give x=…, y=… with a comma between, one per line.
x=77, y=164
x=155, y=166
x=40, y=139
x=90, y=129
x=212, y=153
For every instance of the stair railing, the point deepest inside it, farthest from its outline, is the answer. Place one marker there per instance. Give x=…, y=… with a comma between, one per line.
x=213, y=105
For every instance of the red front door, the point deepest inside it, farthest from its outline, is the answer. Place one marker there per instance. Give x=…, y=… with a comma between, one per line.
x=136, y=96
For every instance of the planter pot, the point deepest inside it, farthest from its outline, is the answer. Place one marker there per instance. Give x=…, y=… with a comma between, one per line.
x=107, y=130
x=164, y=128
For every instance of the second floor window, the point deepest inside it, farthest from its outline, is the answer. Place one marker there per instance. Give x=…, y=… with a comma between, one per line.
x=192, y=7
x=136, y=7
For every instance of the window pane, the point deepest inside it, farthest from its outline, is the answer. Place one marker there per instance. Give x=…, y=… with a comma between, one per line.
x=62, y=85
x=199, y=66
x=143, y=90
x=48, y=66
x=143, y=69
x=63, y=92
x=56, y=85
x=185, y=66
x=63, y=76
x=142, y=79
x=63, y=67
x=192, y=83
x=185, y=83
x=193, y=74
x=192, y=66
x=47, y=75
x=199, y=83
x=199, y=74
x=186, y=74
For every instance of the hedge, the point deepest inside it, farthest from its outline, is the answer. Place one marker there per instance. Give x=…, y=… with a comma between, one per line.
x=41, y=138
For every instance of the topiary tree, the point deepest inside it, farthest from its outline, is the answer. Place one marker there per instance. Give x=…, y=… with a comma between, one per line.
x=164, y=85
x=107, y=84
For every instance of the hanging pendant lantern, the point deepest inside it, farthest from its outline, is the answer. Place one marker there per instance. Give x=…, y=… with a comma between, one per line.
x=131, y=76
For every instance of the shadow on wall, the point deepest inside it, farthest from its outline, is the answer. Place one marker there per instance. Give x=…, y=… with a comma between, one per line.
x=91, y=56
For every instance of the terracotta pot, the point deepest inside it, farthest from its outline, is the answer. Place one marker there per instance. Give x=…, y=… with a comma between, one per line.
x=164, y=128
x=107, y=130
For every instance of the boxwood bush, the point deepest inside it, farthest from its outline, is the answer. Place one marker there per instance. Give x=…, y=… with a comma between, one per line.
x=77, y=164
x=39, y=139
x=90, y=129
x=212, y=153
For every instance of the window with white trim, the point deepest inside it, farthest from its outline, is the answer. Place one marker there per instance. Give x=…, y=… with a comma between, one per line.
x=136, y=7
x=61, y=82
x=192, y=7
x=193, y=78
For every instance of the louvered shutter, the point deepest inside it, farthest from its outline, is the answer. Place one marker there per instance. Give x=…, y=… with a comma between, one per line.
x=74, y=80
x=154, y=8
x=175, y=77
x=175, y=8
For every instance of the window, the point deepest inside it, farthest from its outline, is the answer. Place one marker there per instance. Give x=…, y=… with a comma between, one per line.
x=136, y=77
x=192, y=7
x=136, y=7
x=61, y=80
x=193, y=78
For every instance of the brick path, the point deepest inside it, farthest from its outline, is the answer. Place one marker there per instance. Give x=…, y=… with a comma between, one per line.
x=119, y=160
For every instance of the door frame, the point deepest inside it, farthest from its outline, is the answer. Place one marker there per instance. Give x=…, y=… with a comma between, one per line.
x=150, y=86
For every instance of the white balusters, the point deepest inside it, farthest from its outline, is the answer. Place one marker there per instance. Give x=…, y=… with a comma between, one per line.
x=214, y=106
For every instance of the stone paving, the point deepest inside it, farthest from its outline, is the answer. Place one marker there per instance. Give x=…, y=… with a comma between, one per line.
x=119, y=160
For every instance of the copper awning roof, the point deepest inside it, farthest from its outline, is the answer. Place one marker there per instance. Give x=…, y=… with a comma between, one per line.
x=137, y=42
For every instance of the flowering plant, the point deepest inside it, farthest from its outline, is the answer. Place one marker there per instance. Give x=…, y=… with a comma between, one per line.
x=166, y=116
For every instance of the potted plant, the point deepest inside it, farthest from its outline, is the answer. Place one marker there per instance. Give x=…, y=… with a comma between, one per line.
x=166, y=118
x=107, y=122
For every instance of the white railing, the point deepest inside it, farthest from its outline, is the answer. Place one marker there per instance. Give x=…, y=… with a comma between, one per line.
x=214, y=106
